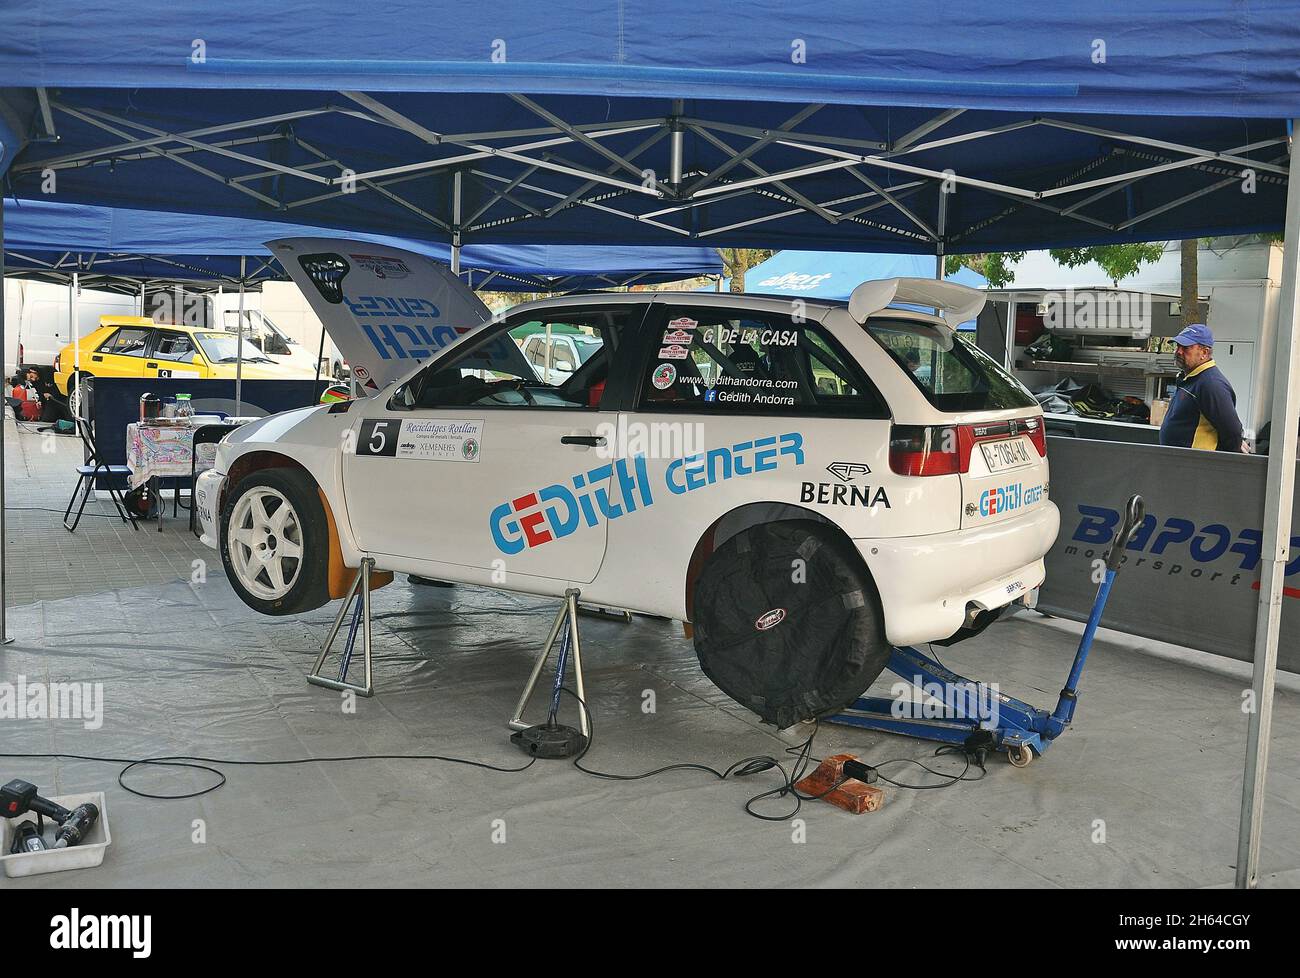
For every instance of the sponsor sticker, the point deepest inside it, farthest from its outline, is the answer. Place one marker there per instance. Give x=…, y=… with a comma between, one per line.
x=675, y=352
x=428, y=439
x=360, y=372
x=664, y=376
x=770, y=619
x=679, y=336
x=382, y=266
x=848, y=471
x=683, y=323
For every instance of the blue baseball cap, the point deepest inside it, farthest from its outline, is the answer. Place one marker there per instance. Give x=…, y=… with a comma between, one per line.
x=1193, y=334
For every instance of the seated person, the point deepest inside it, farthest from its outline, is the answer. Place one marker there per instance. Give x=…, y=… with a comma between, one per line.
x=53, y=406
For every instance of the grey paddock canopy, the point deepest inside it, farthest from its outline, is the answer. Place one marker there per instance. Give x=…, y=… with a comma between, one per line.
x=926, y=127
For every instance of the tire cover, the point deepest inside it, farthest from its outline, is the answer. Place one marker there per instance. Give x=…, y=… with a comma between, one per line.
x=789, y=641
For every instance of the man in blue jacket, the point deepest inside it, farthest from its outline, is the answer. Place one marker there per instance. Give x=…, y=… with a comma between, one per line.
x=1203, y=407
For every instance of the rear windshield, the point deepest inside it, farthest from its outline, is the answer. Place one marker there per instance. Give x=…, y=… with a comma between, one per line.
x=953, y=374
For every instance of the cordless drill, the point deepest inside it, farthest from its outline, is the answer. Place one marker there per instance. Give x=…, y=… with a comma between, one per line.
x=19, y=797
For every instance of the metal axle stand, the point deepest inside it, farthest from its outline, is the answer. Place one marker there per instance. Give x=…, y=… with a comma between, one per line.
x=360, y=620
x=552, y=739
x=975, y=715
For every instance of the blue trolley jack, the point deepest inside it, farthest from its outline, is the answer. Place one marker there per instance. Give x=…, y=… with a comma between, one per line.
x=975, y=715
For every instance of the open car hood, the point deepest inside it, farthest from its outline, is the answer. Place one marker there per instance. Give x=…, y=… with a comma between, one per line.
x=386, y=309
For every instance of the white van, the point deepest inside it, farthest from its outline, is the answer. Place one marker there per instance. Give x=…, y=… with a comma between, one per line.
x=37, y=319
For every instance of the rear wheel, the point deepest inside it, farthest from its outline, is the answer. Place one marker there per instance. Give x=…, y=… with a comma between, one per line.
x=787, y=621
x=274, y=543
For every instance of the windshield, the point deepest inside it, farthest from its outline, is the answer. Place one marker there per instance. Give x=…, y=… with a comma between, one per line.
x=952, y=373
x=223, y=348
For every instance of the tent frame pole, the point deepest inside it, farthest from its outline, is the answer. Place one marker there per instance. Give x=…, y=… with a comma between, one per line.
x=5, y=639
x=1276, y=547
x=239, y=343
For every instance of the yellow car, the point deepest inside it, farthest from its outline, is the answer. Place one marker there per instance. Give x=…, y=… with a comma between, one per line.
x=131, y=346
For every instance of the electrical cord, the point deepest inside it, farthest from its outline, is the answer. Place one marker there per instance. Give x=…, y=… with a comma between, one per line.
x=743, y=768
x=198, y=762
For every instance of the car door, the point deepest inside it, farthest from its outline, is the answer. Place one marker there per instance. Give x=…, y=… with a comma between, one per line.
x=172, y=354
x=477, y=461
x=122, y=354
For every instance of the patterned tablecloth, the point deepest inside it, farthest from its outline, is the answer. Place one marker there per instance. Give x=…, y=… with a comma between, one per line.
x=164, y=450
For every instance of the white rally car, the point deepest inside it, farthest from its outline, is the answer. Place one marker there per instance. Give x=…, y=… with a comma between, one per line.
x=806, y=482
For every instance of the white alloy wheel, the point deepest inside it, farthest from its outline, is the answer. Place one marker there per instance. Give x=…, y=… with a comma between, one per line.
x=265, y=543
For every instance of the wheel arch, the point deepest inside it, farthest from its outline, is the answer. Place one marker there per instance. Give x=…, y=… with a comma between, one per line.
x=740, y=518
x=339, y=576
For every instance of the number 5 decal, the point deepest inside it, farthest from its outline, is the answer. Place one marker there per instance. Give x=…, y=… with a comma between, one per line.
x=378, y=438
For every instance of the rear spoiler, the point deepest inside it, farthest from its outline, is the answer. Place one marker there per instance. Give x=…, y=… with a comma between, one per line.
x=955, y=303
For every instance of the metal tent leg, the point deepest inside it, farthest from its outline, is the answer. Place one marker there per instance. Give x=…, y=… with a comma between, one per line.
x=360, y=620
x=567, y=613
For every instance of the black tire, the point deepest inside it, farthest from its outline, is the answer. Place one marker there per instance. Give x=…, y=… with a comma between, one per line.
x=789, y=650
x=309, y=589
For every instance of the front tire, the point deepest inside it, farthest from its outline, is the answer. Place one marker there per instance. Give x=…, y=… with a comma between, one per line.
x=787, y=621
x=274, y=542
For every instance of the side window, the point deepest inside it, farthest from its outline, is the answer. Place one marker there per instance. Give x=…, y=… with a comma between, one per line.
x=732, y=361
x=173, y=346
x=494, y=371
x=129, y=341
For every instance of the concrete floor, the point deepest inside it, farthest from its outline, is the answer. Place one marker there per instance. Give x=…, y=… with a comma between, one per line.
x=1142, y=792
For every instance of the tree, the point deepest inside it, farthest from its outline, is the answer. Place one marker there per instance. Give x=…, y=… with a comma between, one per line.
x=1190, y=283
x=737, y=261
x=1117, y=261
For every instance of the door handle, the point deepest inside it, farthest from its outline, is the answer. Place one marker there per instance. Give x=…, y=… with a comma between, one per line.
x=591, y=441
x=97, y=359
x=154, y=365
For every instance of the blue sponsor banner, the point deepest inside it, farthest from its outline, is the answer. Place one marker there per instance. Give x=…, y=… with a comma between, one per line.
x=1191, y=572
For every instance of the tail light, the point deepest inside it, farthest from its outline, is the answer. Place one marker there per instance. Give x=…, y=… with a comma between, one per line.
x=1037, y=432
x=918, y=450
x=56, y=359
x=21, y=358
x=946, y=449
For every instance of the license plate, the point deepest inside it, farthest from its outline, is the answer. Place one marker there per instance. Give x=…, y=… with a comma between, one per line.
x=1011, y=453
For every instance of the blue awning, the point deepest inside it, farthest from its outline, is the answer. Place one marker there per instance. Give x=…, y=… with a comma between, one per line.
x=897, y=127
x=833, y=275
x=53, y=239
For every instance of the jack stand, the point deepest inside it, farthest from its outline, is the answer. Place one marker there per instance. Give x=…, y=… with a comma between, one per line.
x=976, y=716
x=360, y=619
x=552, y=739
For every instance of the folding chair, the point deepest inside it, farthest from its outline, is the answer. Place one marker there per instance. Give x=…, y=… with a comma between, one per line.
x=88, y=473
x=203, y=435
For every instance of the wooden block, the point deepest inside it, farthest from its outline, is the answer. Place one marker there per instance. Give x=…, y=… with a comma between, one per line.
x=852, y=796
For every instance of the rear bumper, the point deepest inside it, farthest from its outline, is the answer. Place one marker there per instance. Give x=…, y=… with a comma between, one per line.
x=207, y=502
x=926, y=582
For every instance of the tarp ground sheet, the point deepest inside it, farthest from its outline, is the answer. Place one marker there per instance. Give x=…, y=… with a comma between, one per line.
x=1154, y=755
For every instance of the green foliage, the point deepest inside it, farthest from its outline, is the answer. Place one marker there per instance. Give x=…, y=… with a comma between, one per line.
x=1118, y=261
x=994, y=265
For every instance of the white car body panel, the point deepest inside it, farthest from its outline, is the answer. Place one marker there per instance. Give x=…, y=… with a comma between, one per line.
x=449, y=513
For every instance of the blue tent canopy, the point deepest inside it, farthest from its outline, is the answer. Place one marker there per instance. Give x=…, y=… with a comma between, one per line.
x=633, y=123
x=48, y=239
x=833, y=275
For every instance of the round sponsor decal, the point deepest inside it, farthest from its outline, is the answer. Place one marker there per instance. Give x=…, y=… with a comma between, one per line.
x=361, y=372
x=770, y=619
x=664, y=376
x=469, y=449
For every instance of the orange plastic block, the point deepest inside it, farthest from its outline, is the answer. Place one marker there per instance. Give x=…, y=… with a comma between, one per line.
x=852, y=796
